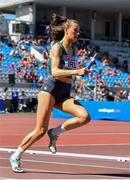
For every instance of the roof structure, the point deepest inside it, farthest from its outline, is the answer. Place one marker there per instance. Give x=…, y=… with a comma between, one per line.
x=97, y=5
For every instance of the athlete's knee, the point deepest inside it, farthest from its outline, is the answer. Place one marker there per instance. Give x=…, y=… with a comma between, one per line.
x=40, y=94
x=84, y=118
x=41, y=132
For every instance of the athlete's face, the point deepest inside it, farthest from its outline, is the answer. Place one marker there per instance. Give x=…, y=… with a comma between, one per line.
x=72, y=31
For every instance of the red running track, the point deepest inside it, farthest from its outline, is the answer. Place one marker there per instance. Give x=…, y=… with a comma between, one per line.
x=109, y=138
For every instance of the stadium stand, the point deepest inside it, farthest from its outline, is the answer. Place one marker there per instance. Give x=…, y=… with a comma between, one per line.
x=20, y=62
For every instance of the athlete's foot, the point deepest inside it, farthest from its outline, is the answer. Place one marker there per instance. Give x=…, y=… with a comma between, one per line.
x=53, y=138
x=15, y=165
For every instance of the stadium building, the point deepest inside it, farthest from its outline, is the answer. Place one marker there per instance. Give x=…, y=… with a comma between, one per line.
x=105, y=25
x=99, y=19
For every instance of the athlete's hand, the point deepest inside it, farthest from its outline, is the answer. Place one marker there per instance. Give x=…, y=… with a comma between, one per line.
x=83, y=71
x=87, y=71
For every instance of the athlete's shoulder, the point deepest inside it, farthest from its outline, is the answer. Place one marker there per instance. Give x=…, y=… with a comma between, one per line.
x=56, y=48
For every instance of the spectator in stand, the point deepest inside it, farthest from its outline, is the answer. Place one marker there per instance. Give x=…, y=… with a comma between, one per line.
x=81, y=52
x=100, y=55
x=117, y=84
x=1, y=57
x=21, y=62
x=12, y=68
x=81, y=88
x=106, y=61
x=108, y=71
x=23, y=50
x=15, y=99
x=33, y=76
x=128, y=80
x=45, y=56
x=47, y=30
x=99, y=75
x=124, y=66
x=125, y=94
x=114, y=72
x=100, y=90
x=5, y=98
x=43, y=65
x=18, y=70
x=22, y=101
x=41, y=79
x=129, y=96
x=119, y=95
x=115, y=62
x=25, y=73
x=16, y=52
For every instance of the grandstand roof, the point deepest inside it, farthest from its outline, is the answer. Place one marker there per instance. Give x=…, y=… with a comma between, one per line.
x=98, y=5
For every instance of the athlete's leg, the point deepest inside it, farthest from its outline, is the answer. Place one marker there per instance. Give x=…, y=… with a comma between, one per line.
x=74, y=108
x=45, y=105
x=81, y=118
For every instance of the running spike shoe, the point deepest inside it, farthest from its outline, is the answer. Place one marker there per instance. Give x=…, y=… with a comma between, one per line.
x=15, y=165
x=53, y=138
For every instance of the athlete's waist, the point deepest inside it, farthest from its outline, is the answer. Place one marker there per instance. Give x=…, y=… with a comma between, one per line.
x=66, y=80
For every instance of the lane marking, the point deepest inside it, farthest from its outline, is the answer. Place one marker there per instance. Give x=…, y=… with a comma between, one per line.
x=74, y=155
x=118, y=144
x=62, y=172
x=93, y=134
x=3, y=178
x=71, y=164
x=122, y=144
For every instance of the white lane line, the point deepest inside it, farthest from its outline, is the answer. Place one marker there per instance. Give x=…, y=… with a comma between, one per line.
x=93, y=134
x=72, y=164
x=72, y=155
x=86, y=145
x=63, y=172
x=3, y=178
x=108, y=144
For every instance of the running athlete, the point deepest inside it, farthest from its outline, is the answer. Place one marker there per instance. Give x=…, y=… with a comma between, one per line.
x=55, y=92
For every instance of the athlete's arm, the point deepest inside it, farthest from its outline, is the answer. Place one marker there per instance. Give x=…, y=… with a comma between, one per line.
x=55, y=55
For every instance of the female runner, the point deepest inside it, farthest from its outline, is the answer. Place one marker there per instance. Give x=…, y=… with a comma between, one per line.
x=55, y=92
